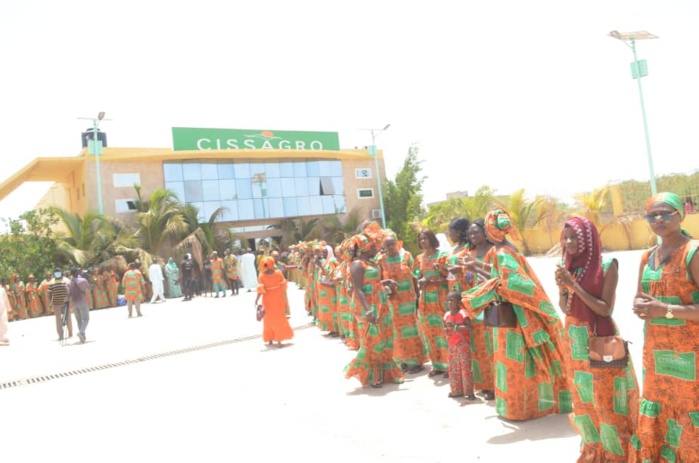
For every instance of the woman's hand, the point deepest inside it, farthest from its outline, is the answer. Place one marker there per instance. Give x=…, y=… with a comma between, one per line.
x=371, y=317
x=645, y=306
x=455, y=269
x=422, y=283
x=468, y=262
x=564, y=279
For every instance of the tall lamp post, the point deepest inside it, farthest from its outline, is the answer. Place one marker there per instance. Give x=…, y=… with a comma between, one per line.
x=375, y=152
x=640, y=69
x=94, y=148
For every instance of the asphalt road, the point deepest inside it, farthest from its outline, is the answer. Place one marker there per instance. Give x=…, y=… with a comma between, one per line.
x=192, y=381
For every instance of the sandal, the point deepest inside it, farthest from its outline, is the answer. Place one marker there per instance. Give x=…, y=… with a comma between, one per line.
x=434, y=373
x=489, y=395
x=415, y=369
x=377, y=385
x=470, y=397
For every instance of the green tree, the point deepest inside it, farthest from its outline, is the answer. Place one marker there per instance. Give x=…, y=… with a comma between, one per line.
x=28, y=246
x=160, y=224
x=202, y=238
x=403, y=201
x=87, y=240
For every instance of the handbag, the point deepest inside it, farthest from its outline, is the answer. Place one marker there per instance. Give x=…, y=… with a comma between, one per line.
x=500, y=314
x=260, y=312
x=607, y=351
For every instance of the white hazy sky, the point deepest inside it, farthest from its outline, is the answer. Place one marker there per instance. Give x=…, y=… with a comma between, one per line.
x=507, y=93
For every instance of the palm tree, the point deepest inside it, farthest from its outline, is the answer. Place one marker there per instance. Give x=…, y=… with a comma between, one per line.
x=88, y=239
x=202, y=238
x=590, y=205
x=553, y=213
x=523, y=212
x=160, y=223
x=334, y=230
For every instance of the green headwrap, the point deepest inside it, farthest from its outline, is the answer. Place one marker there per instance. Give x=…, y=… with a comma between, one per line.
x=671, y=199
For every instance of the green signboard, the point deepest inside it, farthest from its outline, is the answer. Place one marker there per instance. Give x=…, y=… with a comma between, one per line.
x=186, y=138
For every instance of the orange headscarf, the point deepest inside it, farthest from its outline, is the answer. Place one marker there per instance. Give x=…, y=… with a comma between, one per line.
x=498, y=224
x=267, y=262
x=372, y=235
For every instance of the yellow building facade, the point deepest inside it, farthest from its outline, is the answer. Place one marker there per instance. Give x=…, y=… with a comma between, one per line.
x=259, y=178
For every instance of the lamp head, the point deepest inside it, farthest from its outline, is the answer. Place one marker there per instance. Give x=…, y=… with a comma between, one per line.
x=387, y=126
x=100, y=116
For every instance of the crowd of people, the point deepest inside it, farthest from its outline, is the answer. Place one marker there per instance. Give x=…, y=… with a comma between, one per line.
x=479, y=316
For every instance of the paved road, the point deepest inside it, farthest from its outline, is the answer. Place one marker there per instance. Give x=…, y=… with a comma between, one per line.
x=163, y=395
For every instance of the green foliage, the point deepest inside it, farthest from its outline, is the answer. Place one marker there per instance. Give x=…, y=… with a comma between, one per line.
x=29, y=247
x=635, y=193
x=473, y=207
x=403, y=201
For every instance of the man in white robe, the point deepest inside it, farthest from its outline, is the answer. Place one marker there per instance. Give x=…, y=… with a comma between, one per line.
x=248, y=272
x=155, y=275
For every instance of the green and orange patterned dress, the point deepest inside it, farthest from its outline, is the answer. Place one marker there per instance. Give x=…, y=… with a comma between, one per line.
x=668, y=419
x=374, y=363
x=529, y=370
x=432, y=306
x=327, y=297
x=33, y=298
x=407, y=347
x=605, y=400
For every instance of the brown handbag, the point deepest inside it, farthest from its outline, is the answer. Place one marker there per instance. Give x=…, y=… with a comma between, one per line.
x=260, y=313
x=607, y=351
x=500, y=315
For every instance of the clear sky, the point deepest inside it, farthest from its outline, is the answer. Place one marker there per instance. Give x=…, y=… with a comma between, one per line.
x=506, y=93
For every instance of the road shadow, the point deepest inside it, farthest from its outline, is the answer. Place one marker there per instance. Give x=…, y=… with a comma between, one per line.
x=548, y=427
x=275, y=347
x=377, y=392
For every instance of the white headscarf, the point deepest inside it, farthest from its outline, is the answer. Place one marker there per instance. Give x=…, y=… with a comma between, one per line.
x=331, y=253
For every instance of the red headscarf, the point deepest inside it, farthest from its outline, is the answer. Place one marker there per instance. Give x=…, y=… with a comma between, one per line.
x=590, y=276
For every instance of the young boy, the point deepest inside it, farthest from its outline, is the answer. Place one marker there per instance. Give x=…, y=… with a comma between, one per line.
x=458, y=330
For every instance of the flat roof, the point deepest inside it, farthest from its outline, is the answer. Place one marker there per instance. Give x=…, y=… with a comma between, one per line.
x=41, y=170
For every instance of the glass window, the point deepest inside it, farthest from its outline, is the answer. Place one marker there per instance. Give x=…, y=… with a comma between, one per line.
x=243, y=188
x=340, y=204
x=245, y=210
x=326, y=186
x=364, y=172
x=226, y=171
x=177, y=188
x=313, y=168
x=316, y=205
x=286, y=169
x=329, y=205
x=313, y=186
x=230, y=212
x=125, y=205
x=272, y=169
x=191, y=171
x=209, y=171
x=288, y=187
x=276, y=207
x=339, y=184
x=364, y=193
x=301, y=186
x=209, y=209
x=126, y=180
x=227, y=189
x=300, y=169
x=173, y=172
x=304, y=205
x=274, y=188
x=242, y=170
x=193, y=191
x=325, y=168
x=211, y=190
x=336, y=168
x=290, y=207
x=259, y=207
x=257, y=189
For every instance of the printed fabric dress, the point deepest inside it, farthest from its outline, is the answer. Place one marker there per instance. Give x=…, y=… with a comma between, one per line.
x=33, y=300
x=327, y=298
x=481, y=335
x=529, y=370
x=668, y=419
x=407, y=346
x=374, y=362
x=432, y=306
x=605, y=400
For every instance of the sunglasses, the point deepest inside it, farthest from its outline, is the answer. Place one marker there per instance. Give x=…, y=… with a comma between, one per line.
x=665, y=216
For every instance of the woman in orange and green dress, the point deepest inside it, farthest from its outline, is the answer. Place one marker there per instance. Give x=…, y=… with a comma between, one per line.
x=44, y=294
x=99, y=290
x=327, y=292
x=668, y=301
x=431, y=273
x=374, y=364
x=605, y=400
x=396, y=266
x=112, y=288
x=33, y=298
x=346, y=306
x=529, y=370
x=16, y=290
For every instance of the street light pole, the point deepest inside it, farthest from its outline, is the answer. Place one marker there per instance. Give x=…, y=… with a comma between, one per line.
x=639, y=69
x=95, y=148
x=375, y=133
